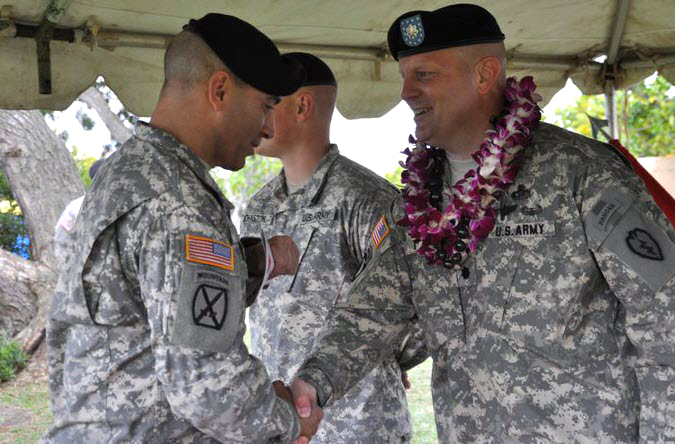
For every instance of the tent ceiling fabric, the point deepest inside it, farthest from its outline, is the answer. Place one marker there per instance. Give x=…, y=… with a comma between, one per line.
x=123, y=40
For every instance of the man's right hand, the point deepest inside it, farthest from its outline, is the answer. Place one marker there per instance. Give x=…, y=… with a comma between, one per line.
x=286, y=256
x=309, y=422
x=305, y=399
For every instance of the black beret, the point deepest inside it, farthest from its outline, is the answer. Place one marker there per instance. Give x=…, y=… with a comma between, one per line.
x=249, y=53
x=318, y=73
x=455, y=25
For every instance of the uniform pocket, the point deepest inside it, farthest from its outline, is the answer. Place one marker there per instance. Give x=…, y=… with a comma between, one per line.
x=302, y=238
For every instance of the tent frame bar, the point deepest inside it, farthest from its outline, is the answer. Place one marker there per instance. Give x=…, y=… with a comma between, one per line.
x=615, y=39
x=120, y=39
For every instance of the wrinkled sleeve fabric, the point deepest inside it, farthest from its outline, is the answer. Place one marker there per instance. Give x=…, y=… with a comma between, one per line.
x=254, y=251
x=195, y=311
x=634, y=246
x=414, y=350
x=370, y=211
x=367, y=325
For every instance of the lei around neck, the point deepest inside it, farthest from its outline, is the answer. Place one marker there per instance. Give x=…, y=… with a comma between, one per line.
x=449, y=236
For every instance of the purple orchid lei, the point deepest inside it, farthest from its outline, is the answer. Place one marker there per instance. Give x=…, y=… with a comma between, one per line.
x=448, y=237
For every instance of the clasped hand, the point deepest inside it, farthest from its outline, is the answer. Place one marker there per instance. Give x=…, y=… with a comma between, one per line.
x=303, y=396
x=286, y=255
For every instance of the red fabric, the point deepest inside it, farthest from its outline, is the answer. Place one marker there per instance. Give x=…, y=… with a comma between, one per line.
x=661, y=196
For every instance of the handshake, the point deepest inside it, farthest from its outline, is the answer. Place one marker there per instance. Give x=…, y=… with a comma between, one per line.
x=303, y=397
x=300, y=394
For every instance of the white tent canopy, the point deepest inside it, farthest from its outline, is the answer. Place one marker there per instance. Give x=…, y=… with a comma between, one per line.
x=123, y=40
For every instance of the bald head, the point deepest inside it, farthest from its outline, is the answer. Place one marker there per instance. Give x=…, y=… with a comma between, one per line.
x=188, y=62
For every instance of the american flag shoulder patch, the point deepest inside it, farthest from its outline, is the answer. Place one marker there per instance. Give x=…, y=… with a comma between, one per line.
x=380, y=232
x=207, y=251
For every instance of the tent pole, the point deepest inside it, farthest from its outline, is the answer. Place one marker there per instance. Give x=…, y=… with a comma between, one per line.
x=613, y=45
x=610, y=108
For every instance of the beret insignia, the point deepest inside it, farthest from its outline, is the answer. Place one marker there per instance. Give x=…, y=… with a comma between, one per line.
x=412, y=30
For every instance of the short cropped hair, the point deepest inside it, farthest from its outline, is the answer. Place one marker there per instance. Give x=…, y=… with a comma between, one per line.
x=188, y=61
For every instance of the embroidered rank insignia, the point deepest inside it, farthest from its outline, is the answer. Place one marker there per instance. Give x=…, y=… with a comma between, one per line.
x=208, y=251
x=380, y=232
x=412, y=30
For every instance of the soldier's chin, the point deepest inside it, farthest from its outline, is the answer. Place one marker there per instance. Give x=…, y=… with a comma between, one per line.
x=236, y=166
x=421, y=137
x=265, y=149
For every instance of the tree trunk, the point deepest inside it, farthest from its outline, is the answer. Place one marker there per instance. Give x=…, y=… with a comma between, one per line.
x=93, y=97
x=43, y=178
x=41, y=173
x=23, y=284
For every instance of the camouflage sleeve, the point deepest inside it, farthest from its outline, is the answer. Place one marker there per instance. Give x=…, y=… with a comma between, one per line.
x=367, y=325
x=367, y=215
x=414, y=350
x=254, y=252
x=191, y=277
x=634, y=246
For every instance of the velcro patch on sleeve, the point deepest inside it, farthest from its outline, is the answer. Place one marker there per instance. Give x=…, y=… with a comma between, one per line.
x=380, y=232
x=643, y=246
x=202, y=250
x=208, y=310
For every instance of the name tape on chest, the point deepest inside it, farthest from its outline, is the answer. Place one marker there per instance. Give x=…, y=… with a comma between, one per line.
x=207, y=251
x=317, y=216
x=524, y=229
x=380, y=232
x=257, y=219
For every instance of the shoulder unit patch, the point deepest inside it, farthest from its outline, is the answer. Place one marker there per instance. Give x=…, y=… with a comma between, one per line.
x=209, y=251
x=380, y=232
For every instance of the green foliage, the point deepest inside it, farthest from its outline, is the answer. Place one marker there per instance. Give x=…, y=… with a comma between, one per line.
x=12, y=358
x=83, y=163
x=646, y=115
x=5, y=190
x=395, y=176
x=650, y=116
x=243, y=184
x=13, y=233
x=84, y=119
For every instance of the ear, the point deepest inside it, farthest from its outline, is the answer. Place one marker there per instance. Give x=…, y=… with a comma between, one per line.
x=219, y=86
x=305, y=107
x=487, y=72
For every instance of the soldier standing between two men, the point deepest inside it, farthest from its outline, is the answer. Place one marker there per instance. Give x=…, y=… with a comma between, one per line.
x=328, y=204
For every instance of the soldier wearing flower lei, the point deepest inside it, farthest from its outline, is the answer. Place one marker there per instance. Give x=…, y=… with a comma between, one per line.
x=536, y=262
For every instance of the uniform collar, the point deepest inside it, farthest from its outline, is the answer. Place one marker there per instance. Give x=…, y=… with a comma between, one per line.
x=166, y=141
x=311, y=192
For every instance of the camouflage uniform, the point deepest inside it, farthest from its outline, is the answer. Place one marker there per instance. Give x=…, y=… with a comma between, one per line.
x=564, y=328
x=330, y=219
x=145, y=337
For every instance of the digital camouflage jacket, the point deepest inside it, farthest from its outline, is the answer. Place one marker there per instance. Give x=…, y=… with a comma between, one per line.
x=563, y=330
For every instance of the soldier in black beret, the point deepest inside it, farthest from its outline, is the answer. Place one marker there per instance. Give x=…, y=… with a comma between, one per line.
x=540, y=268
x=328, y=204
x=146, y=332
